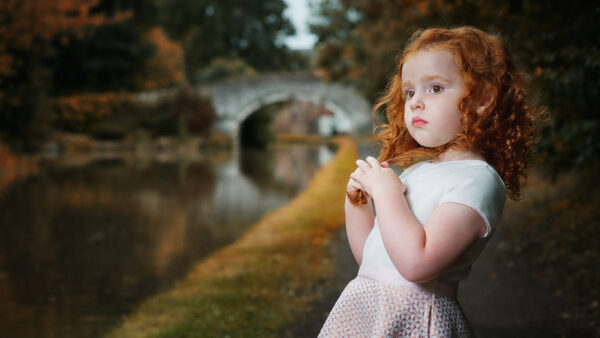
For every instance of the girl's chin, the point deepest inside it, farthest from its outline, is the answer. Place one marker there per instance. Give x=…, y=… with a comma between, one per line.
x=429, y=144
x=426, y=143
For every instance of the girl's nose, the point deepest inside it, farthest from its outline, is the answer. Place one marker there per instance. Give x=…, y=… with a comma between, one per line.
x=416, y=102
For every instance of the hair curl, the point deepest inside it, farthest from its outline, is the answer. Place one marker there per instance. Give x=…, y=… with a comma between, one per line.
x=503, y=132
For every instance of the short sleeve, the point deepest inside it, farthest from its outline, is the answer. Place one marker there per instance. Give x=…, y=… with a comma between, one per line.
x=479, y=188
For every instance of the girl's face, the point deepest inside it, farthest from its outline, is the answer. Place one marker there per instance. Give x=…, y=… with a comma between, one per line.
x=432, y=86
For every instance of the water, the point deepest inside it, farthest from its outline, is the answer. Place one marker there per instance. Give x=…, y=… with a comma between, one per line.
x=82, y=242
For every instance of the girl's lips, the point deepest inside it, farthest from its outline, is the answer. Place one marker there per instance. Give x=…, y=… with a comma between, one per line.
x=417, y=122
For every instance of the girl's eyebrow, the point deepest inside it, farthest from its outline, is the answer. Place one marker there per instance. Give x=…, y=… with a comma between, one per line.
x=427, y=78
x=435, y=77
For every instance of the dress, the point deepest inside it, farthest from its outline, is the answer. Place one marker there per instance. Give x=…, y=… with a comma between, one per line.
x=379, y=302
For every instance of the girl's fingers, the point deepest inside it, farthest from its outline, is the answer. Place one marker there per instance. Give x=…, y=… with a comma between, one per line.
x=354, y=183
x=357, y=173
x=372, y=161
x=363, y=165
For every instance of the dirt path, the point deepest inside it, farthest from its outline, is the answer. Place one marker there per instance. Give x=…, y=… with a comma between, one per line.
x=499, y=297
x=345, y=270
x=502, y=297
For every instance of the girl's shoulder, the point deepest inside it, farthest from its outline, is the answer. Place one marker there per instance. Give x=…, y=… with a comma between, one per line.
x=454, y=171
x=477, y=170
x=476, y=184
x=453, y=166
x=412, y=168
x=467, y=165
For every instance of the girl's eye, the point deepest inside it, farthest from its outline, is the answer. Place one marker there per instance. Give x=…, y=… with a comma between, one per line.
x=436, y=89
x=409, y=93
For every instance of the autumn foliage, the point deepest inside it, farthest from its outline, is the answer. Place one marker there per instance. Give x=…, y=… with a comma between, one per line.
x=77, y=112
x=165, y=68
x=27, y=23
x=555, y=41
x=194, y=109
x=30, y=30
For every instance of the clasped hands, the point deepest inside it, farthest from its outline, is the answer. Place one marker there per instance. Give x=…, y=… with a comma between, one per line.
x=370, y=175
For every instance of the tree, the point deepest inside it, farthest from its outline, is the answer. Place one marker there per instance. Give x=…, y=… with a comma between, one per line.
x=251, y=30
x=359, y=40
x=165, y=67
x=193, y=111
x=109, y=57
x=556, y=41
x=27, y=24
x=559, y=43
x=26, y=27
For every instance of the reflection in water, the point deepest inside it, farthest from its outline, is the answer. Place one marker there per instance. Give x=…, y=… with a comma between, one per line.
x=81, y=246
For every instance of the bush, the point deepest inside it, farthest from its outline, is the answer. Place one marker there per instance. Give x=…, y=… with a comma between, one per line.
x=222, y=68
x=108, y=131
x=195, y=109
x=156, y=118
x=77, y=113
x=159, y=124
x=111, y=116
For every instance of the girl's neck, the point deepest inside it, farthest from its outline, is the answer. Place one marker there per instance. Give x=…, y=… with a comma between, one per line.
x=459, y=155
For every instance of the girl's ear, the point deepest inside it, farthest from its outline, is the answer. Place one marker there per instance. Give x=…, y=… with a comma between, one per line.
x=485, y=103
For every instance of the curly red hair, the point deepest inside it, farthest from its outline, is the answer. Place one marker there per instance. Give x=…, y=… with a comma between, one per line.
x=503, y=132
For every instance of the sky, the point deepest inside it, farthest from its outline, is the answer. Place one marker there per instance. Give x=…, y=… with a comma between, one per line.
x=299, y=13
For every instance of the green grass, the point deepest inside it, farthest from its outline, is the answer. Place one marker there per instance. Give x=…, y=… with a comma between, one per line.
x=263, y=282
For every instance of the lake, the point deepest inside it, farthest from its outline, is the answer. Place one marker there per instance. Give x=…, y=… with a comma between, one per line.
x=84, y=240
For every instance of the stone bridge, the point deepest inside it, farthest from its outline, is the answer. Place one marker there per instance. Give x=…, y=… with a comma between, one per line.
x=236, y=99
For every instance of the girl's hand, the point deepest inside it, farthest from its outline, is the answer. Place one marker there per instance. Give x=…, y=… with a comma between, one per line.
x=355, y=192
x=371, y=174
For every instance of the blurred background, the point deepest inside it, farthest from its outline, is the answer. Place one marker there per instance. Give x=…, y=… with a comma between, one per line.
x=139, y=136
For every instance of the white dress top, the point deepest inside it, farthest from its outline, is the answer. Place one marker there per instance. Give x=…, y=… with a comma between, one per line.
x=473, y=183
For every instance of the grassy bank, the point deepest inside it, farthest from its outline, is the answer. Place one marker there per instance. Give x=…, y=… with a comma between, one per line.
x=554, y=230
x=260, y=284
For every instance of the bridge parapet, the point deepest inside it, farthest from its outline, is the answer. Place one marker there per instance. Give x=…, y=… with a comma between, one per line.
x=235, y=99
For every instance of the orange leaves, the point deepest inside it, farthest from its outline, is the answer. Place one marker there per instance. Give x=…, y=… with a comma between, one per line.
x=165, y=68
x=46, y=18
x=74, y=6
x=7, y=158
x=26, y=24
x=83, y=109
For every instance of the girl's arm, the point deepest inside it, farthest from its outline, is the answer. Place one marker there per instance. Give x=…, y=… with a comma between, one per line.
x=359, y=218
x=359, y=222
x=420, y=253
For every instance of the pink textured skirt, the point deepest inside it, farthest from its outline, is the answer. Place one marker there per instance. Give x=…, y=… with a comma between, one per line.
x=379, y=302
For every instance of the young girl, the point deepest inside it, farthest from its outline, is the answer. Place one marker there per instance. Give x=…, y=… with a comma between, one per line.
x=458, y=100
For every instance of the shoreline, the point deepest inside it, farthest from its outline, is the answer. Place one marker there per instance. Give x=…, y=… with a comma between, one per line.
x=252, y=287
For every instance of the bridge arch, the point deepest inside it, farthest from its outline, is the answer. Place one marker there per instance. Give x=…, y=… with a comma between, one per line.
x=234, y=100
